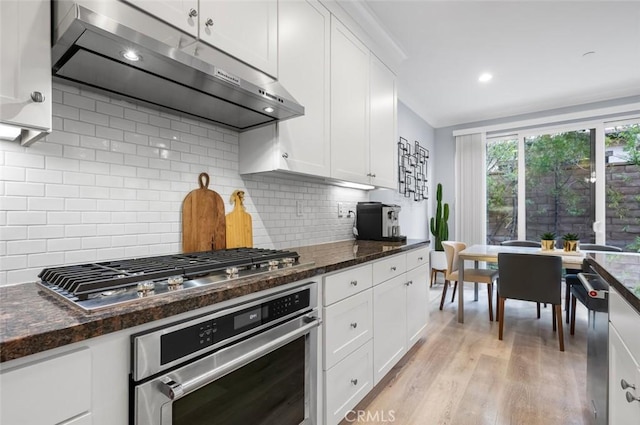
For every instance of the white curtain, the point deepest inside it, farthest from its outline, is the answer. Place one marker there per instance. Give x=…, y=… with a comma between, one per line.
x=471, y=200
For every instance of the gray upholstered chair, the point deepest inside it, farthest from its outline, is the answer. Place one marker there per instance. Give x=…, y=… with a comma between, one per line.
x=530, y=277
x=532, y=244
x=487, y=276
x=571, y=280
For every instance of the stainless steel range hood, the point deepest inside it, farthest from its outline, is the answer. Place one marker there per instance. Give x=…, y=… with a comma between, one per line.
x=89, y=49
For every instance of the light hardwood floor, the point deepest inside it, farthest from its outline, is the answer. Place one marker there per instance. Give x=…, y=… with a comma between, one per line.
x=462, y=374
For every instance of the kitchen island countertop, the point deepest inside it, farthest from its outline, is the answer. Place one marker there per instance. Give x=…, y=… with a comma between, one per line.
x=621, y=271
x=33, y=320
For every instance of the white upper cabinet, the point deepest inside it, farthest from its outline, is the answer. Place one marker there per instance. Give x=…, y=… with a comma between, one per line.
x=383, y=128
x=363, y=113
x=182, y=14
x=349, y=106
x=246, y=30
x=299, y=145
x=25, y=80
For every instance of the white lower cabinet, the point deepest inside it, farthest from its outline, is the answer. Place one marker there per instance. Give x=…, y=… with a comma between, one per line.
x=624, y=362
x=389, y=324
x=373, y=314
x=53, y=390
x=348, y=382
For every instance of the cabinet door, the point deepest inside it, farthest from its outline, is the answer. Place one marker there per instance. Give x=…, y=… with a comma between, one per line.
x=383, y=139
x=622, y=366
x=247, y=30
x=349, y=106
x=347, y=383
x=25, y=43
x=417, y=303
x=182, y=14
x=389, y=325
x=304, y=29
x=347, y=326
x=47, y=392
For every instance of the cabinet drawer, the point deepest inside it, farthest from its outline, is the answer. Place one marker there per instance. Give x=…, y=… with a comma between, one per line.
x=347, y=383
x=417, y=258
x=40, y=392
x=346, y=283
x=625, y=319
x=389, y=267
x=347, y=325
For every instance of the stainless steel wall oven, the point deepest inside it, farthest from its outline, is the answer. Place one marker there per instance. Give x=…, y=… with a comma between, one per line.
x=251, y=363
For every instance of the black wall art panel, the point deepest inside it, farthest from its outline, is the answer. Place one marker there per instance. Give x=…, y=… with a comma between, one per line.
x=412, y=169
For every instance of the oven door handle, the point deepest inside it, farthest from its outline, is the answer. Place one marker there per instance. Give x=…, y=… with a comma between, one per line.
x=176, y=390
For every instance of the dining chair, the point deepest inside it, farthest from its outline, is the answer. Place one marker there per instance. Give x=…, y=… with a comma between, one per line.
x=532, y=244
x=571, y=278
x=451, y=249
x=531, y=277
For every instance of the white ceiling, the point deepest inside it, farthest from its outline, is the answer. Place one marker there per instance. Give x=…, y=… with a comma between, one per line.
x=534, y=49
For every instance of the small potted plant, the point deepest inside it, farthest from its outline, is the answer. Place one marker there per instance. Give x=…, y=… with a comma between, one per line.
x=548, y=241
x=571, y=242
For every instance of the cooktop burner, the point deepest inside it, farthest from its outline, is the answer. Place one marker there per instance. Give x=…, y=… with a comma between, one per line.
x=98, y=285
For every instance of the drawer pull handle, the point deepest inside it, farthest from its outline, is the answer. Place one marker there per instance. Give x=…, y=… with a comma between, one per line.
x=354, y=283
x=354, y=381
x=409, y=283
x=624, y=384
x=393, y=268
x=631, y=398
x=193, y=13
x=419, y=258
x=354, y=325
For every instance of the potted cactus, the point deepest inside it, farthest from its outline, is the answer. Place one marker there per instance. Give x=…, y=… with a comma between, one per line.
x=440, y=230
x=548, y=241
x=571, y=242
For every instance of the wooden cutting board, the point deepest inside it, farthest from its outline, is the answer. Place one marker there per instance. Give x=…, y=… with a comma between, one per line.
x=203, y=220
x=239, y=226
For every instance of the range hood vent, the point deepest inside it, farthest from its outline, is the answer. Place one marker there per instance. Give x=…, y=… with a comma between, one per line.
x=91, y=51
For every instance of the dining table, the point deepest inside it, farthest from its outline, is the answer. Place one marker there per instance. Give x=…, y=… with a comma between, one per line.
x=489, y=254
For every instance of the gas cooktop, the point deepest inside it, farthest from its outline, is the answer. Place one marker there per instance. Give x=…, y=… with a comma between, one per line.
x=99, y=285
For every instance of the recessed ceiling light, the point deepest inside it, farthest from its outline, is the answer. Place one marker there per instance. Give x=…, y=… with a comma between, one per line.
x=131, y=55
x=485, y=77
x=268, y=109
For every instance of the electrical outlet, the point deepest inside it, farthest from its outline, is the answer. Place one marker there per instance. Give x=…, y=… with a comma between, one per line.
x=342, y=211
x=299, y=208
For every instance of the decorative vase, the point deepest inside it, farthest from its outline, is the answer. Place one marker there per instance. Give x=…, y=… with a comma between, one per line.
x=570, y=246
x=548, y=244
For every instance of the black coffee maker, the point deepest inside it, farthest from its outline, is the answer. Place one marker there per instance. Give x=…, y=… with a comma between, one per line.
x=376, y=221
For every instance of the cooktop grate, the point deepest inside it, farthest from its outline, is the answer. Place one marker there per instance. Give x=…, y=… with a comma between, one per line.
x=81, y=281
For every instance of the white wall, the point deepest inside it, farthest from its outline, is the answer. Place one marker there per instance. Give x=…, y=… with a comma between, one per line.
x=109, y=181
x=414, y=216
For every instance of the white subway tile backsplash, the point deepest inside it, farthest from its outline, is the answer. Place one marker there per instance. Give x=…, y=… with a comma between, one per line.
x=13, y=262
x=68, y=244
x=45, y=204
x=80, y=230
x=79, y=127
x=45, y=259
x=93, y=117
x=63, y=217
x=94, y=192
x=110, y=180
x=25, y=160
x=24, y=189
x=110, y=109
x=79, y=101
x=62, y=191
x=46, y=232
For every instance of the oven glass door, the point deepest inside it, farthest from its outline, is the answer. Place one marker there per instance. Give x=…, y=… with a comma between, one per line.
x=269, y=390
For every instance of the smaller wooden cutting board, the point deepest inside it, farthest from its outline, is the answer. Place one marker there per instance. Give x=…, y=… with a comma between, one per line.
x=203, y=220
x=239, y=225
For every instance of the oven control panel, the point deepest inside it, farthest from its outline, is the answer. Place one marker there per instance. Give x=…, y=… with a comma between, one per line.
x=191, y=339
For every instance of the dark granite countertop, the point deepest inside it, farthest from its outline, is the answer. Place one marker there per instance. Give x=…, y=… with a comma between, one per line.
x=33, y=320
x=620, y=270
